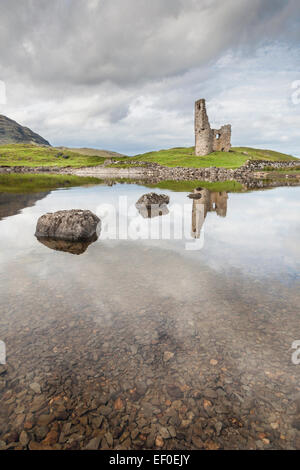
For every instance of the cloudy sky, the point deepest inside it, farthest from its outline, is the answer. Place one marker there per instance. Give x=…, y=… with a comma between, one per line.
x=124, y=74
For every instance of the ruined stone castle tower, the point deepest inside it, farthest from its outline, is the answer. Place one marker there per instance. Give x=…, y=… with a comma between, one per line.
x=209, y=140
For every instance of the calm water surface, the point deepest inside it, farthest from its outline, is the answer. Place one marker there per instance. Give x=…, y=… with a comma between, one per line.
x=141, y=343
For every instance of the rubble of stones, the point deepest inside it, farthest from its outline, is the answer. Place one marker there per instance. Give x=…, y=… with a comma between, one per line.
x=154, y=170
x=256, y=165
x=27, y=169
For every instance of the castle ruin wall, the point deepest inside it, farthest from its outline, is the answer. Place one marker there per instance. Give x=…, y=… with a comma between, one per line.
x=209, y=140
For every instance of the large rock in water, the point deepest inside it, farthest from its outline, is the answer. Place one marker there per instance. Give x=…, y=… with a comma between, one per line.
x=153, y=199
x=74, y=248
x=73, y=225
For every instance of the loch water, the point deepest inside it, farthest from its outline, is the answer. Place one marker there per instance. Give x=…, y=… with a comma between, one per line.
x=176, y=331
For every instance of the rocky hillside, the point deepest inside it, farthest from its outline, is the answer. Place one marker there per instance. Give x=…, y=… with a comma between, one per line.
x=13, y=133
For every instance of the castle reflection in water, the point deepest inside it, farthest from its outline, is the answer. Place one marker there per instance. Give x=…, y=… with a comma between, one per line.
x=205, y=201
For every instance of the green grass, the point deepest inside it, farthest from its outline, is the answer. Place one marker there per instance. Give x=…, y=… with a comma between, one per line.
x=92, y=152
x=35, y=156
x=188, y=186
x=32, y=183
x=234, y=159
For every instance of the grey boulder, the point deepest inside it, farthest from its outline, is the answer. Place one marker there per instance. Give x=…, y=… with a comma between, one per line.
x=73, y=225
x=153, y=205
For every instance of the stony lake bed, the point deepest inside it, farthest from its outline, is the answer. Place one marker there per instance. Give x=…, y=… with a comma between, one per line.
x=161, y=343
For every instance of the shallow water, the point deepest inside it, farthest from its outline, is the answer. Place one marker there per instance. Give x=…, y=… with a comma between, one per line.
x=136, y=343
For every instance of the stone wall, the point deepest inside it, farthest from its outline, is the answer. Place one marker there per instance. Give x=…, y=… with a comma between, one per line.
x=222, y=139
x=263, y=164
x=153, y=170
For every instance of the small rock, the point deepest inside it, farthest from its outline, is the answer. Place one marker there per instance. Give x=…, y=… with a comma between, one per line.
x=35, y=387
x=168, y=355
x=206, y=404
x=185, y=423
x=159, y=442
x=213, y=362
x=97, y=422
x=197, y=442
x=164, y=433
x=12, y=437
x=109, y=439
x=210, y=445
x=28, y=425
x=45, y=420
x=296, y=424
x=172, y=431
x=38, y=446
x=41, y=432
x=24, y=439
x=174, y=391
x=274, y=425
x=93, y=444
x=150, y=441
x=118, y=405
x=134, y=434
x=51, y=438
x=105, y=410
x=218, y=427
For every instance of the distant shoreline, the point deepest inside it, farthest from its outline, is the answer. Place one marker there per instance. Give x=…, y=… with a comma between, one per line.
x=251, y=170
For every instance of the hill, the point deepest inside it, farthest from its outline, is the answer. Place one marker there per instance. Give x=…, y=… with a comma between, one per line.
x=93, y=152
x=34, y=156
x=13, y=133
x=185, y=157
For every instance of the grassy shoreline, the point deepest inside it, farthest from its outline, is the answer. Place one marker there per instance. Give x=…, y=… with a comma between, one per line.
x=35, y=183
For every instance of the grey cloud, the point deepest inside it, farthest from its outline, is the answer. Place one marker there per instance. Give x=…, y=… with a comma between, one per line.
x=125, y=41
